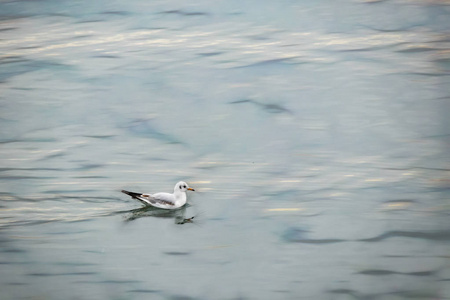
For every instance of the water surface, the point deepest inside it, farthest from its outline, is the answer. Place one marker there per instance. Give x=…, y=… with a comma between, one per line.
x=316, y=135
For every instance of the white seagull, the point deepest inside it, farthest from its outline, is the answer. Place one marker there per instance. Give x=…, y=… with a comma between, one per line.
x=164, y=200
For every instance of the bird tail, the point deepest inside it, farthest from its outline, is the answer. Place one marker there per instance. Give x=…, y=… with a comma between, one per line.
x=132, y=194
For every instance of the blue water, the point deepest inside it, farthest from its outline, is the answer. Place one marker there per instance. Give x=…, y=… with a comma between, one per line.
x=315, y=133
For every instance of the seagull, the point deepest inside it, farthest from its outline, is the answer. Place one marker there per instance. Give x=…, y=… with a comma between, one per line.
x=164, y=200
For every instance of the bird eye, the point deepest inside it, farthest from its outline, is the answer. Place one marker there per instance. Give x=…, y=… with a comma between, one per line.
x=180, y=187
x=184, y=186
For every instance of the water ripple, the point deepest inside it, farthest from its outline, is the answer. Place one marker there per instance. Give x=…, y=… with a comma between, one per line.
x=443, y=235
x=296, y=235
x=144, y=291
x=378, y=272
x=61, y=274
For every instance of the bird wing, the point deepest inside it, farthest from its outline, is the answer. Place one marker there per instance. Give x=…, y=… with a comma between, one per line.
x=161, y=200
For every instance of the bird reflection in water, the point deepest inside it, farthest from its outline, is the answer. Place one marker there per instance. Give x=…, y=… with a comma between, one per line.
x=179, y=215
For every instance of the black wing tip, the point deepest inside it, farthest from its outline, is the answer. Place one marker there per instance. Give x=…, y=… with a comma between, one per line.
x=132, y=194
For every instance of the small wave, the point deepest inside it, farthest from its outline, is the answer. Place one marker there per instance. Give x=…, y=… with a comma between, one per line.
x=380, y=272
x=62, y=274
x=183, y=13
x=431, y=235
x=144, y=291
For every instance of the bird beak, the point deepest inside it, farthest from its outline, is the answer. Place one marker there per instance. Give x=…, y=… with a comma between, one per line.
x=191, y=189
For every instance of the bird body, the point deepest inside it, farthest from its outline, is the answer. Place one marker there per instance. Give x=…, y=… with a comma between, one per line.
x=164, y=200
